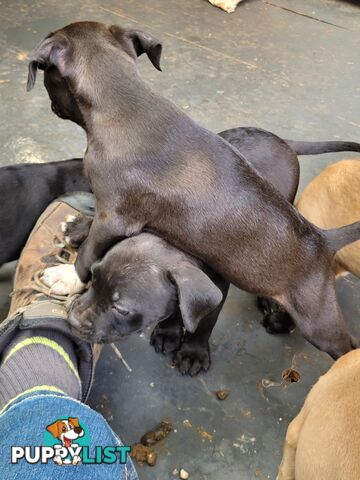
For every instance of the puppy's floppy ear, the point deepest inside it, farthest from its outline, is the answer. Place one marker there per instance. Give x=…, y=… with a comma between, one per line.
x=50, y=52
x=54, y=428
x=136, y=42
x=197, y=294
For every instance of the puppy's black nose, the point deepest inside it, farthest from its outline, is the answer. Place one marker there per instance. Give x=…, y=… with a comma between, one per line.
x=78, y=430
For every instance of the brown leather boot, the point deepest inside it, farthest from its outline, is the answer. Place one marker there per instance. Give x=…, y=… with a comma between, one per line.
x=32, y=305
x=45, y=247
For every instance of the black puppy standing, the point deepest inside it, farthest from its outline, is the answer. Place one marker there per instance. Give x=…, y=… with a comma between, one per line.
x=188, y=185
x=271, y=156
x=273, y=159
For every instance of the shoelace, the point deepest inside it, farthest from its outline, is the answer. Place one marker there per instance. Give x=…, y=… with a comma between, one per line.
x=37, y=289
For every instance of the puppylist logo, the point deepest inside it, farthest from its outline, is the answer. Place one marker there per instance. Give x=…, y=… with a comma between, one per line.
x=66, y=442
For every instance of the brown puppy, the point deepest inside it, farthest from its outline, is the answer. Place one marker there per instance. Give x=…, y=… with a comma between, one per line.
x=151, y=167
x=323, y=441
x=332, y=200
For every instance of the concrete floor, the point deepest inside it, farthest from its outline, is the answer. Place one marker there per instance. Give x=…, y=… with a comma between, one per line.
x=288, y=66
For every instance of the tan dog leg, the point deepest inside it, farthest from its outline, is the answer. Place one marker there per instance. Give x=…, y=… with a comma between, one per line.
x=287, y=466
x=331, y=200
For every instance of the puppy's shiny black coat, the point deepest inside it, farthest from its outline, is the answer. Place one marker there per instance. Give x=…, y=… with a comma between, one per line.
x=26, y=190
x=151, y=167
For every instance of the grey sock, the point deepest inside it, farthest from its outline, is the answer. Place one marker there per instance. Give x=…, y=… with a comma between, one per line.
x=38, y=360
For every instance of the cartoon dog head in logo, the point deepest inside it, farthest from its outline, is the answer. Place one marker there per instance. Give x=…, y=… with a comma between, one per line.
x=66, y=430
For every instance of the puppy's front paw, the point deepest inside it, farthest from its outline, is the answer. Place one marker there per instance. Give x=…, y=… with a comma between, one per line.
x=68, y=220
x=166, y=339
x=63, y=280
x=76, y=229
x=192, y=357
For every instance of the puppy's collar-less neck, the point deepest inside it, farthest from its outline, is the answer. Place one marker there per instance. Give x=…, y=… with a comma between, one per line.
x=127, y=117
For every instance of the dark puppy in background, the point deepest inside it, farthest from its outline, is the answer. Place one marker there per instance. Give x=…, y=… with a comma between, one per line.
x=25, y=191
x=202, y=196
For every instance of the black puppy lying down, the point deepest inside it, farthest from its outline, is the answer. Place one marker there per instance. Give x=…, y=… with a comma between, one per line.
x=25, y=191
x=144, y=281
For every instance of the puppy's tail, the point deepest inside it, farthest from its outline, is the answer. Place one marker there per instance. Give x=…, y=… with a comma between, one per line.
x=338, y=238
x=314, y=148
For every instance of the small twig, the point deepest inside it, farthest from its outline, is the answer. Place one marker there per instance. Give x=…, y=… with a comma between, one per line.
x=290, y=375
x=118, y=354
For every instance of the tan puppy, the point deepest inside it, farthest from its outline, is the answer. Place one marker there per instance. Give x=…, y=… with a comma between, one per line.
x=228, y=5
x=331, y=200
x=323, y=441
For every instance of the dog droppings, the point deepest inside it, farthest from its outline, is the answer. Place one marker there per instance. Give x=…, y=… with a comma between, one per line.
x=187, y=423
x=151, y=458
x=222, y=394
x=246, y=413
x=291, y=376
x=184, y=475
x=143, y=454
x=204, y=435
x=157, y=434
